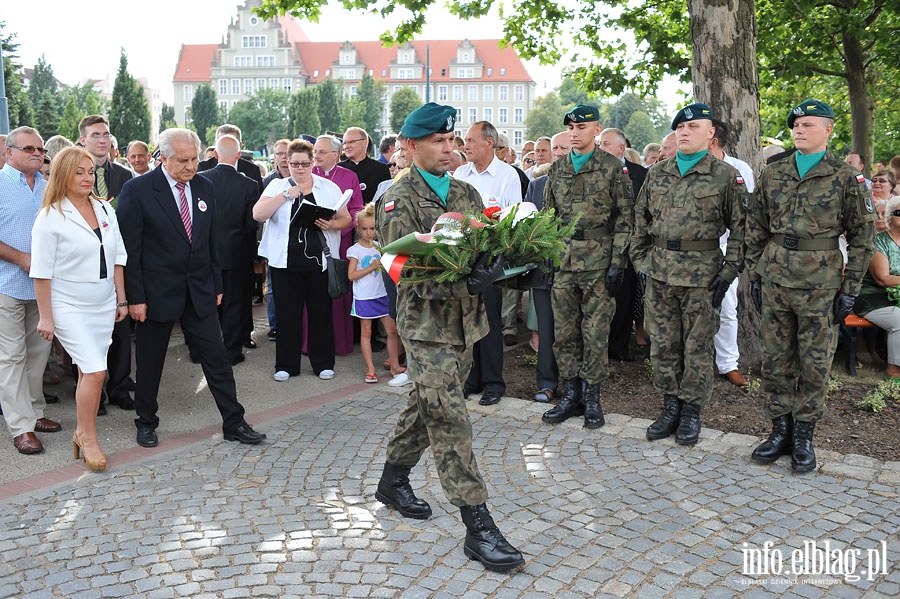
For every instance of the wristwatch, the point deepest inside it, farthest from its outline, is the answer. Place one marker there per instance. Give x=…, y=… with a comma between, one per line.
x=287, y=194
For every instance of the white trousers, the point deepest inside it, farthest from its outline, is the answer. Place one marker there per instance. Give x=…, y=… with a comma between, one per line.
x=889, y=320
x=727, y=354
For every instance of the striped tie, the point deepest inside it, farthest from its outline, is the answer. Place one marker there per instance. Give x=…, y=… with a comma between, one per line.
x=102, y=190
x=185, y=213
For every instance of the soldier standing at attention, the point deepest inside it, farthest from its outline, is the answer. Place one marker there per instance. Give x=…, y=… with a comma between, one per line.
x=685, y=205
x=803, y=204
x=591, y=185
x=439, y=324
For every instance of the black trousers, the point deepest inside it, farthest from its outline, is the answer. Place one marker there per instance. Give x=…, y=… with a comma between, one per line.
x=205, y=341
x=487, y=358
x=291, y=292
x=620, y=326
x=234, y=310
x=118, y=361
x=547, y=371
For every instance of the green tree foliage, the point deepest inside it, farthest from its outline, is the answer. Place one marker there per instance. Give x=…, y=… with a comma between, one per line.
x=68, y=123
x=42, y=80
x=129, y=116
x=78, y=102
x=353, y=113
x=262, y=117
x=572, y=93
x=167, y=117
x=371, y=99
x=18, y=104
x=640, y=131
x=303, y=113
x=546, y=116
x=330, y=100
x=404, y=101
x=205, y=112
x=47, y=115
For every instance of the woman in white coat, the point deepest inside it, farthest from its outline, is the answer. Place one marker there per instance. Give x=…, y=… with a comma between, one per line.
x=77, y=263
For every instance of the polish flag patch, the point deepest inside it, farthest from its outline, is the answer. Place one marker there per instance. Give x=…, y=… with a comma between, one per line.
x=388, y=206
x=860, y=178
x=625, y=169
x=740, y=180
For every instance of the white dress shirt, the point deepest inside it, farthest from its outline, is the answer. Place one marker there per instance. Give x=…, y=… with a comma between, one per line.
x=498, y=184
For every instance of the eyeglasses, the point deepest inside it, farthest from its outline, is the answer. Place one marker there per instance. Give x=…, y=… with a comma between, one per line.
x=392, y=164
x=881, y=181
x=30, y=149
x=96, y=136
x=347, y=142
x=529, y=161
x=895, y=213
x=304, y=164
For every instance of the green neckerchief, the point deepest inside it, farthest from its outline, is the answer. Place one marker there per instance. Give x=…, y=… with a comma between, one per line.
x=439, y=185
x=578, y=160
x=806, y=161
x=688, y=161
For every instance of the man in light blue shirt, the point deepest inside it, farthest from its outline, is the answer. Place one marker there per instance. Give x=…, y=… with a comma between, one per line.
x=23, y=353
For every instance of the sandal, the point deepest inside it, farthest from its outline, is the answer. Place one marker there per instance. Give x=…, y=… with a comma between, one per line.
x=543, y=396
x=371, y=377
x=401, y=361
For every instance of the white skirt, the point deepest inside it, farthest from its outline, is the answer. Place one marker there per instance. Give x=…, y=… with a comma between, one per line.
x=84, y=315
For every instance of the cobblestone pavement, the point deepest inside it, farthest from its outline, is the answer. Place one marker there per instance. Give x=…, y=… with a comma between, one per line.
x=596, y=513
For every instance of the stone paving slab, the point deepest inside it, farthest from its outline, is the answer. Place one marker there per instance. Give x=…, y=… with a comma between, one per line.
x=597, y=513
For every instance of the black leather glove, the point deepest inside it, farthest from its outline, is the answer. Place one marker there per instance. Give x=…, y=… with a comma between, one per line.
x=614, y=277
x=843, y=306
x=719, y=288
x=484, y=273
x=535, y=277
x=756, y=295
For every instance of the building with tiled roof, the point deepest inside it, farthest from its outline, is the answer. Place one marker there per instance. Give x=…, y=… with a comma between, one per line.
x=481, y=79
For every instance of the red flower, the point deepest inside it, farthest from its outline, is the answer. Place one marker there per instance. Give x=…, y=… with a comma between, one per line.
x=492, y=211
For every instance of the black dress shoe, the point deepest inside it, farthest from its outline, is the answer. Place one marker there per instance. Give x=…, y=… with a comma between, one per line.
x=238, y=359
x=243, y=433
x=126, y=403
x=250, y=344
x=489, y=398
x=146, y=437
x=468, y=390
x=50, y=398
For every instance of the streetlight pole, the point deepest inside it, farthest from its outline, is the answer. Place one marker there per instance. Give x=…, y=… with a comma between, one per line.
x=4, y=105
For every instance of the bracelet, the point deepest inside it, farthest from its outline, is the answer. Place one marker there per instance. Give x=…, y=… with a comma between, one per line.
x=121, y=304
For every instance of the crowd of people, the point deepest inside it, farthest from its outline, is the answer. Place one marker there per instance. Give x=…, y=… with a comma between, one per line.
x=95, y=248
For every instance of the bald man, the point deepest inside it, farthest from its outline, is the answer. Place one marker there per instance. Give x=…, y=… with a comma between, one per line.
x=369, y=172
x=667, y=148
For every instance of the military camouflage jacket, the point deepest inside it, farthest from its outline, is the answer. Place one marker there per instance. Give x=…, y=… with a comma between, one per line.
x=697, y=207
x=600, y=194
x=431, y=311
x=830, y=200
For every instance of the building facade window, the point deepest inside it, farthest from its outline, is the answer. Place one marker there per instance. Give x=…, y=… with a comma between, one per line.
x=188, y=93
x=273, y=83
x=465, y=73
x=519, y=93
x=488, y=93
x=223, y=104
x=347, y=74
x=503, y=94
x=473, y=115
x=459, y=115
x=235, y=87
x=489, y=115
x=503, y=113
x=517, y=138
x=457, y=93
x=242, y=62
x=287, y=83
x=473, y=93
x=248, y=86
x=253, y=41
x=223, y=87
x=265, y=61
x=405, y=74
x=442, y=93
x=518, y=115
x=260, y=84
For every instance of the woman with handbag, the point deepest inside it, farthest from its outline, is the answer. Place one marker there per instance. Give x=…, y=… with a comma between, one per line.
x=294, y=246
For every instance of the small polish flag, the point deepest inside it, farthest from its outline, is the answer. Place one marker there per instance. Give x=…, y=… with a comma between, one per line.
x=393, y=264
x=860, y=178
x=740, y=180
x=388, y=206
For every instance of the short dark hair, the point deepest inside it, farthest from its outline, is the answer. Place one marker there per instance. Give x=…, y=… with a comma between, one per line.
x=386, y=143
x=300, y=145
x=721, y=133
x=89, y=120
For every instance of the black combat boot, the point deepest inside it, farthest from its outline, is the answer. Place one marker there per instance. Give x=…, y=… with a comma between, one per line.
x=667, y=422
x=394, y=490
x=570, y=405
x=779, y=442
x=688, y=431
x=593, y=411
x=486, y=543
x=803, y=458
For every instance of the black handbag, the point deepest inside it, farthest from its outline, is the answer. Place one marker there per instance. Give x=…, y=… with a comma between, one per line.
x=338, y=282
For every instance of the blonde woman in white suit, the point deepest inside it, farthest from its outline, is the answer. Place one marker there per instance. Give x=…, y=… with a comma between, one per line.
x=77, y=263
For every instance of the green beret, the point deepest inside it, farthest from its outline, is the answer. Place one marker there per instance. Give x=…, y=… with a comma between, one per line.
x=582, y=113
x=809, y=107
x=428, y=119
x=692, y=112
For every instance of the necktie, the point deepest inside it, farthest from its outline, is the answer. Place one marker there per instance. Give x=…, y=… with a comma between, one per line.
x=102, y=189
x=185, y=213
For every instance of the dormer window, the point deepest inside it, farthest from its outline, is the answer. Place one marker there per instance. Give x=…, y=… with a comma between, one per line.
x=405, y=58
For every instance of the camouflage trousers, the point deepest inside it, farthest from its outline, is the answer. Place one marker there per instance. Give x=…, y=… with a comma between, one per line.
x=436, y=415
x=681, y=323
x=798, y=342
x=582, y=311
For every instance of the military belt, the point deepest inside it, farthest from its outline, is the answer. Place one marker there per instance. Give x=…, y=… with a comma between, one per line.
x=805, y=245
x=686, y=245
x=580, y=235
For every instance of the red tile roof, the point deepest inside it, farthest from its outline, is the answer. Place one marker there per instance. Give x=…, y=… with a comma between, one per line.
x=194, y=62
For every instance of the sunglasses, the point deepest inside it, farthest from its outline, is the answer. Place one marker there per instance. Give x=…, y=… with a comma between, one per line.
x=305, y=164
x=30, y=149
x=895, y=213
x=880, y=181
x=529, y=161
x=392, y=164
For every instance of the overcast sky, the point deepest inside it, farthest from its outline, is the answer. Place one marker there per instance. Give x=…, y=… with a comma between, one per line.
x=82, y=41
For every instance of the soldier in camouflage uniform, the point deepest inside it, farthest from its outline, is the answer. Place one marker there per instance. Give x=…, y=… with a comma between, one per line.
x=590, y=185
x=802, y=205
x=439, y=324
x=685, y=205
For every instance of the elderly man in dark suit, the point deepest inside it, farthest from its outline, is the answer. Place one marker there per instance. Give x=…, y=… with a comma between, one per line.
x=236, y=234
x=167, y=221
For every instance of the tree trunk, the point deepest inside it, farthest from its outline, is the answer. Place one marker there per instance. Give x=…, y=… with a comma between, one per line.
x=725, y=76
x=862, y=105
